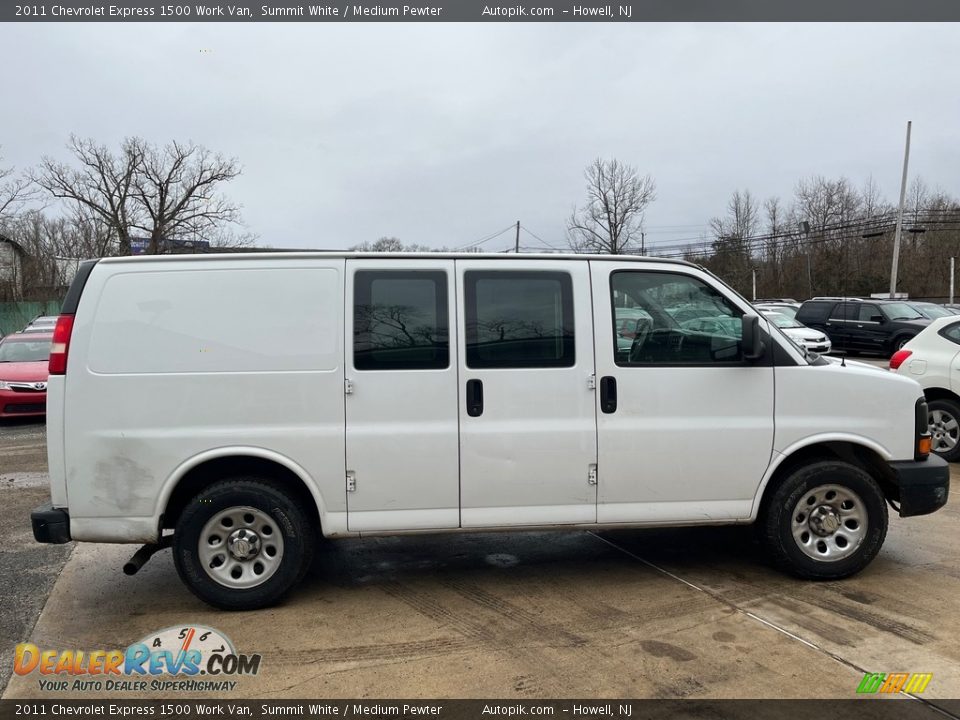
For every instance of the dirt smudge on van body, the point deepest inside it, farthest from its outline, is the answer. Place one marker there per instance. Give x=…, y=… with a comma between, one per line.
x=124, y=484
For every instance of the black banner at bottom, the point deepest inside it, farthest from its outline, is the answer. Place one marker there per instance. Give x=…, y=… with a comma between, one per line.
x=874, y=708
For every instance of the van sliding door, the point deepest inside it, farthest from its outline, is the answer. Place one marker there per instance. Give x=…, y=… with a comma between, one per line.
x=528, y=443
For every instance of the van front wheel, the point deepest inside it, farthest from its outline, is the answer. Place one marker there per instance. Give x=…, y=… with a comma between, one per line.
x=242, y=544
x=825, y=521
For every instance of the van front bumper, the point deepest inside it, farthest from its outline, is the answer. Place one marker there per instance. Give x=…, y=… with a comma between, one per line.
x=50, y=524
x=924, y=485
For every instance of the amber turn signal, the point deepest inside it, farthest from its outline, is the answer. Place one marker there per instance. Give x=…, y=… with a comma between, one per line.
x=924, y=445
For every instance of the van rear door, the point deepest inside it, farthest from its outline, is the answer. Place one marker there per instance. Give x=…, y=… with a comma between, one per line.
x=401, y=401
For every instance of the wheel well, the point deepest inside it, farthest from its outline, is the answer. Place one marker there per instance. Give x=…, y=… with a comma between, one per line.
x=940, y=394
x=859, y=455
x=207, y=473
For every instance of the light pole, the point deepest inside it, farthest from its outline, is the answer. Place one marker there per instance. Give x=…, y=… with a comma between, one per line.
x=951, y=280
x=896, y=237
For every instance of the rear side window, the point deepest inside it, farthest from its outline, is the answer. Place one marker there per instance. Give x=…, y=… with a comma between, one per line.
x=235, y=320
x=952, y=333
x=845, y=311
x=518, y=319
x=400, y=320
x=813, y=311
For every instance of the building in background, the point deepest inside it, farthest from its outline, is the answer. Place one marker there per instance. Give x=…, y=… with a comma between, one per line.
x=11, y=270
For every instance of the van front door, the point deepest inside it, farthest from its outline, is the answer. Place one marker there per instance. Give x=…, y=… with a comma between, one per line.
x=685, y=423
x=528, y=447
x=401, y=396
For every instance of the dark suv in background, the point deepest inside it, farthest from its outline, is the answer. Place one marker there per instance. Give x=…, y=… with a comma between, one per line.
x=878, y=326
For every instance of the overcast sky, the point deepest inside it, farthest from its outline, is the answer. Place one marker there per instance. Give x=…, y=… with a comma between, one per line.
x=442, y=134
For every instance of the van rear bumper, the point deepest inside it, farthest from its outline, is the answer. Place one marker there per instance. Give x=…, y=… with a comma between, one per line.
x=924, y=485
x=50, y=524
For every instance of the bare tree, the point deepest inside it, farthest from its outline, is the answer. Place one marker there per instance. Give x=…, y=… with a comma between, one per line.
x=15, y=192
x=177, y=188
x=611, y=221
x=100, y=185
x=393, y=244
x=732, y=232
x=168, y=193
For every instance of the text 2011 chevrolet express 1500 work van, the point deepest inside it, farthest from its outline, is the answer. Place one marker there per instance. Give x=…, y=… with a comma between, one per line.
x=246, y=402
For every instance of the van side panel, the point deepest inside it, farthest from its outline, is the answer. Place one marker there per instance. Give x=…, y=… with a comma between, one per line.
x=171, y=361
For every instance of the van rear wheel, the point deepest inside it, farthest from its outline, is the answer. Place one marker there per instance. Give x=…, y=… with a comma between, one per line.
x=242, y=544
x=825, y=521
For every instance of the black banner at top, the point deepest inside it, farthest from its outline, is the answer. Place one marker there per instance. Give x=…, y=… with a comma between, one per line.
x=478, y=11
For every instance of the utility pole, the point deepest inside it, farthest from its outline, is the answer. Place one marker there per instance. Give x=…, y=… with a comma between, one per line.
x=804, y=228
x=754, y=284
x=894, y=268
x=643, y=243
x=516, y=247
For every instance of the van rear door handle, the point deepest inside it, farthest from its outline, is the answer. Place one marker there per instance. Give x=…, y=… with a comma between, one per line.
x=474, y=398
x=608, y=394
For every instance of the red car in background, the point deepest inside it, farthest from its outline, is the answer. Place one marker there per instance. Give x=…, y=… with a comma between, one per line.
x=24, y=360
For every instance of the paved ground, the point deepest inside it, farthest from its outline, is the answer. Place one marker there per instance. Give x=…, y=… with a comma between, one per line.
x=27, y=569
x=665, y=613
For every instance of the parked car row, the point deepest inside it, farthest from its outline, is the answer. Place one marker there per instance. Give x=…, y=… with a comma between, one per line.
x=24, y=358
x=23, y=374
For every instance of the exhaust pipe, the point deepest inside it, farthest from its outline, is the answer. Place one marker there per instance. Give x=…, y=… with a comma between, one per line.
x=140, y=557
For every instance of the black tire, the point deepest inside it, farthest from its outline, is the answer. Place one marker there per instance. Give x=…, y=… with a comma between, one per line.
x=276, y=505
x=900, y=341
x=945, y=411
x=777, y=522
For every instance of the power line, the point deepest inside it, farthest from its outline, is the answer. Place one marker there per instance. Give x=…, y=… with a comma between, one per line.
x=481, y=241
x=534, y=235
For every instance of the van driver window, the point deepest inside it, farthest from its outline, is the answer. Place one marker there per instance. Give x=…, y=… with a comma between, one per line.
x=671, y=319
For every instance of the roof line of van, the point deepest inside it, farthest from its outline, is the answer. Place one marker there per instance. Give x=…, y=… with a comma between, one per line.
x=275, y=254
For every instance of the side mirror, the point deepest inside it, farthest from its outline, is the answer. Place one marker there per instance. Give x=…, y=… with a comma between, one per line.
x=876, y=318
x=751, y=340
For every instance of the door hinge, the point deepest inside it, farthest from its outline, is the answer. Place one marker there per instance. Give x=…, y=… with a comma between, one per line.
x=347, y=386
x=351, y=481
x=591, y=382
x=592, y=475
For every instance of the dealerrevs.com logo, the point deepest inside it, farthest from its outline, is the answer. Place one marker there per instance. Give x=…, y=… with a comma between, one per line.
x=181, y=659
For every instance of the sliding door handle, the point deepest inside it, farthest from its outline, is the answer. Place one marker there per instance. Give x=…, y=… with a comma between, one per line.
x=608, y=394
x=474, y=398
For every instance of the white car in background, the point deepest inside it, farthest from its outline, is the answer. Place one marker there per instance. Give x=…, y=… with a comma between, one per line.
x=932, y=358
x=784, y=307
x=812, y=340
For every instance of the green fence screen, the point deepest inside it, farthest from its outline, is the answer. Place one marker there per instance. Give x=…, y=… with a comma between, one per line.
x=15, y=315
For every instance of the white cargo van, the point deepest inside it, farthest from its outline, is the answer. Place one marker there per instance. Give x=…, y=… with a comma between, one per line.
x=238, y=407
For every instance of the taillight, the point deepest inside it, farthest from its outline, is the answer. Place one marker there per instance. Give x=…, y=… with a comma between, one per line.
x=923, y=444
x=898, y=357
x=61, y=345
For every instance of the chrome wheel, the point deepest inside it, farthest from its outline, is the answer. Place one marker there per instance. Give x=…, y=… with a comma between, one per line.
x=944, y=430
x=829, y=523
x=240, y=547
